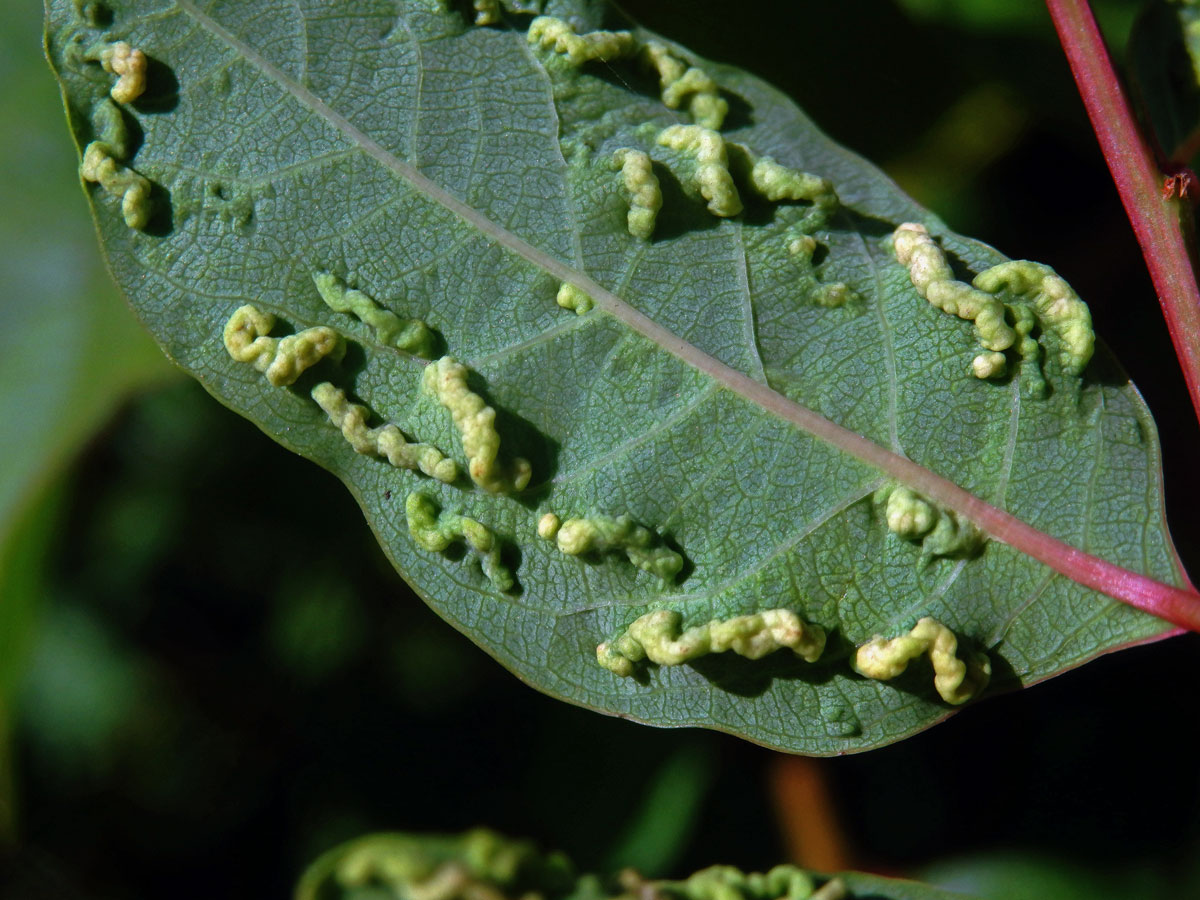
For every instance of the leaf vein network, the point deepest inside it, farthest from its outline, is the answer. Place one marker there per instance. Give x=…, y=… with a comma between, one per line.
x=694, y=403
x=719, y=465
x=751, y=320
x=885, y=335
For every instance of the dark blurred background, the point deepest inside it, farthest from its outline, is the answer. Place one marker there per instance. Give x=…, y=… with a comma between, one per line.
x=197, y=698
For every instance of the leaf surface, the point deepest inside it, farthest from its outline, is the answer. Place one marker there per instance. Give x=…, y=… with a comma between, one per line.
x=456, y=174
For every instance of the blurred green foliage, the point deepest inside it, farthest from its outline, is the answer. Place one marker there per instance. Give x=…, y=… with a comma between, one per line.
x=1114, y=16
x=1164, y=68
x=1011, y=876
x=211, y=701
x=69, y=349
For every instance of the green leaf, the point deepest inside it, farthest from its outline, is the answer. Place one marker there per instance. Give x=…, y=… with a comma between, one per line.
x=481, y=862
x=457, y=175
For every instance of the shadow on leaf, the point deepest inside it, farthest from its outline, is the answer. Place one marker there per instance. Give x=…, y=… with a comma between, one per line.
x=682, y=213
x=753, y=677
x=162, y=89
x=162, y=213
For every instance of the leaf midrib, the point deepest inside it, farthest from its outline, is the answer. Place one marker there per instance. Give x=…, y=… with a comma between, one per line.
x=1088, y=570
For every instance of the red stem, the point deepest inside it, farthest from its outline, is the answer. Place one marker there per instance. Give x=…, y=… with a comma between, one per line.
x=1158, y=223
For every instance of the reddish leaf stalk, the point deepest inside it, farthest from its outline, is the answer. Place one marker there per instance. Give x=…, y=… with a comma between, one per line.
x=1157, y=222
x=807, y=810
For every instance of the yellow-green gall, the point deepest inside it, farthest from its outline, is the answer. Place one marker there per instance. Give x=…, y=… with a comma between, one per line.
x=956, y=681
x=474, y=865
x=952, y=536
x=436, y=531
x=645, y=194
x=118, y=181
x=548, y=525
x=934, y=280
x=658, y=636
x=282, y=360
x=707, y=107
x=833, y=295
x=410, y=335
x=1060, y=311
x=908, y=515
x=602, y=534
x=940, y=531
x=925, y=260
x=803, y=246
x=1033, y=381
x=487, y=12
x=386, y=441
x=669, y=67
x=834, y=889
x=712, y=175
x=446, y=380
x=129, y=64
x=680, y=83
x=1039, y=299
x=551, y=33
x=571, y=297
x=988, y=365
x=609, y=657
x=784, y=882
x=776, y=182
